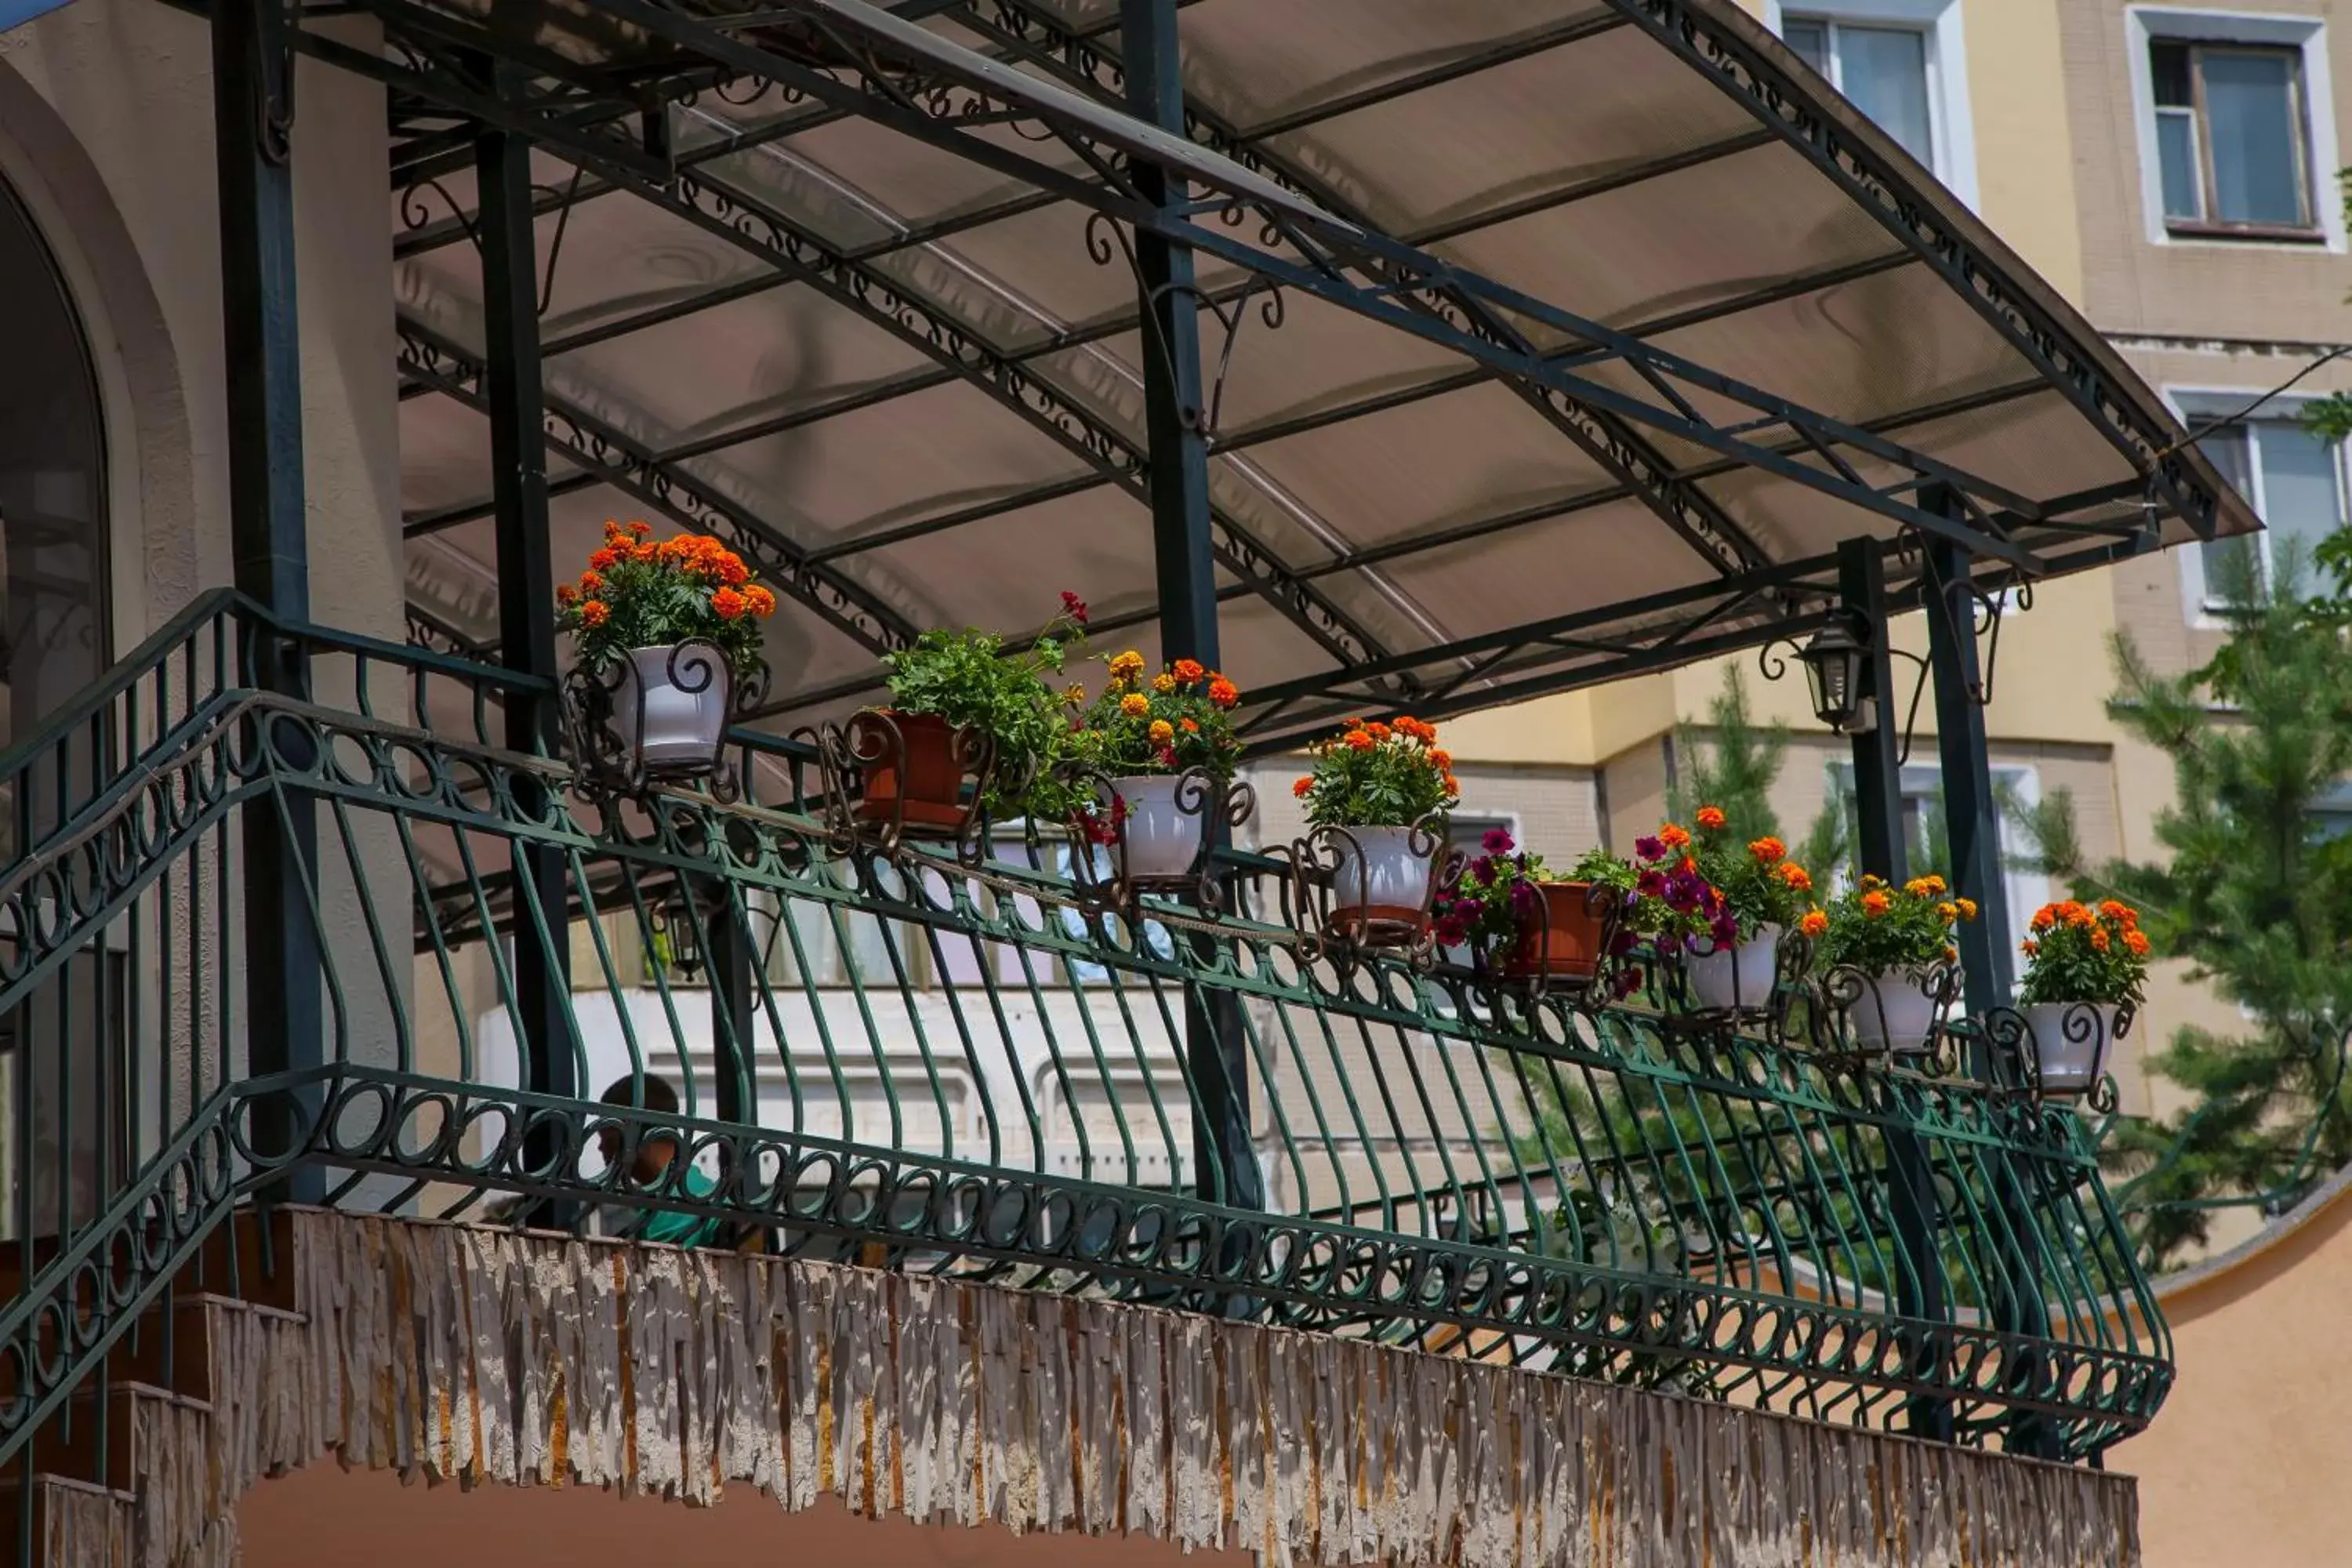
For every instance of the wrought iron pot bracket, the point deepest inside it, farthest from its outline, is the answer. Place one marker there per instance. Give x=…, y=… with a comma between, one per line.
x=606, y=768
x=1105, y=880
x=871, y=740
x=1488, y=974
x=2016, y=1051
x=1346, y=935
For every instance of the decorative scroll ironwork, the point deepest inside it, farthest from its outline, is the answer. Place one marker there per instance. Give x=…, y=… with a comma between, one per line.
x=874, y=741
x=1114, y=884
x=2093, y=1029
x=1331, y=928
x=604, y=708
x=1850, y=1022
x=1496, y=972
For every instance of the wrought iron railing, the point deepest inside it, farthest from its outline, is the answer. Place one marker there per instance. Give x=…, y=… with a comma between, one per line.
x=912, y=1061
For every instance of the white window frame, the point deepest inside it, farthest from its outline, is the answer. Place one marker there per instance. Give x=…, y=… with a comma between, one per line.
x=2194, y=405
x=1951, y=127
x=2144, y=24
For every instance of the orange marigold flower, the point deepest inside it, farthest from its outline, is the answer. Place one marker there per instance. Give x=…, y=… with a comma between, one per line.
x=1163, y=683
x=565, y=594
x=604, y=559
x=1875, y=903
x=1439, y=757
x=2100, y=942
x=1188, y=671
x=2075, y=914
x=1951, y=953
x=1937, y=885
x=1711, y=817
x=1189, y=726
x=640, y=529
x=731, y=569
x=2045, y=917
x=612, y=529
x=1161, y=732
x=1673, y=836
x=596, y=613
x=1767, y=850
x=1126, y=665
x=1968, y=908
x=2032, y=947
x=2113, y=909
x=644, y=552
x=1452, y=784
x=1814, y=923
x=1916, y=887
x=1796, y=877
x=1224, y=692
x=728, y=604
x=1377, y=730
x=1357, y=741
x=762, y=602
x=1299, y=786
x=1949, y=910
x=1135, y=704
x=2137, y=942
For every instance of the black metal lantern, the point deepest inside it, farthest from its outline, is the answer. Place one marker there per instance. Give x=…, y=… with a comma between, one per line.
x=677, y=944
x=1833, y=661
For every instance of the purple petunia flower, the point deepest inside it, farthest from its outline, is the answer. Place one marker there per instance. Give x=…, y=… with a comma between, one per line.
x=1497, y=841
x=1648, y=849
x=1620, y=944
x=1651, y=884
x=1524, y=900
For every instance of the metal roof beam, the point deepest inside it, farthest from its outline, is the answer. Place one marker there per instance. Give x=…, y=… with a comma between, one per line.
x=1689, y=513
x=591, y=444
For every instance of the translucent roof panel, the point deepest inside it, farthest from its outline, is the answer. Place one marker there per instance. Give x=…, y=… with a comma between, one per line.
x=1545, y=341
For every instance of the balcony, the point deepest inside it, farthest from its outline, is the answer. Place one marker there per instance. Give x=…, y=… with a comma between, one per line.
x=958, y=1071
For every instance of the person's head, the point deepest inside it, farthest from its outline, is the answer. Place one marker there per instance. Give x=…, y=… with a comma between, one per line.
x=653, y=1151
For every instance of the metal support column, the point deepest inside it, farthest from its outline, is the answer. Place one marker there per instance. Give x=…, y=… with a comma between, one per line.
x=1973, y=817
x=541, y=960
x=253, y=118
x=1880, y=850
x=1216, y=1048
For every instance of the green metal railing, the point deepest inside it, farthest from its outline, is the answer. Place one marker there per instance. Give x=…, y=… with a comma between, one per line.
x=954, y=1069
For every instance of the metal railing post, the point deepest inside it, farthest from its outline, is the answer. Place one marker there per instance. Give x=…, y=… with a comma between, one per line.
x=1880, y=850
x=253, y=114
x=1225, y=1165
x=542, y=970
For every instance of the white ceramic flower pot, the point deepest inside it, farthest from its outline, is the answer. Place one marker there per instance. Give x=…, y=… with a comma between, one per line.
x=1738, y=976
x=1381, y=877
x=673, y=710
x=2070, y=1065
x=1893, y=1013
x=1160, y=838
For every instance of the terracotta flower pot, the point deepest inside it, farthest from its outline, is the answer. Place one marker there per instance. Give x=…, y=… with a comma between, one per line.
x=923, y=788
x=1566, y=941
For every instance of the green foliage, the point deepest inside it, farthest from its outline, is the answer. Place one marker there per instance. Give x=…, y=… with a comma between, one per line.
x=1879, y=929
x=1380, y=775
x=1180, y=719
x=1735, y=765
x=2081, y=954
x=2251, y=891
x=638, y=593
x=971, y=679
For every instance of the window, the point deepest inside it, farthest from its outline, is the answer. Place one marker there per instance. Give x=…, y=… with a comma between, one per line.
x=1887, y=71
x=2231, y=150
x=2294, y=480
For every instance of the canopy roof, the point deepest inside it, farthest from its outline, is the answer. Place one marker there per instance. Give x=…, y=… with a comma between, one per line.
x=1551, y=341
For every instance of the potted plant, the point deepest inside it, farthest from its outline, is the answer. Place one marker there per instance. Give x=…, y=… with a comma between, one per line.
x=1508, y=902
x=1766, y=894
x=2083, y=964
x=1166, y=744
x=963, y=706
x=666, y=631
x=1377, y=802
x=1888, y=951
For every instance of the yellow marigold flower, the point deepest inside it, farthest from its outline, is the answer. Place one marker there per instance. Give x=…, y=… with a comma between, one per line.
x=1949, y=910
x=1126, y=665
x=1074, y=694
x=1938, y=886
x=1163, y=683
x=1161, y=732
x=1135, y=704
x=1968, y=908
x=1916, y=887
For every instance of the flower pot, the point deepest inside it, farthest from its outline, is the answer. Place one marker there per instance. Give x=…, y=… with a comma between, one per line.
x=1741, y=975
x=1893, y=1013
x=2069, y=1064
x=670, y=706
x=1566, y=941
x=1382, y=879
x=920, y=783
x=1159, y=838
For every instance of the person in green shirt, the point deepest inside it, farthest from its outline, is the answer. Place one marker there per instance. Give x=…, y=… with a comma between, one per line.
x=657, y=1149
